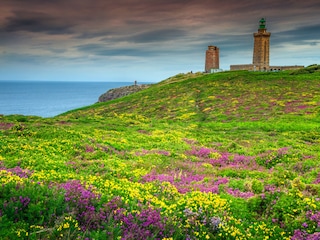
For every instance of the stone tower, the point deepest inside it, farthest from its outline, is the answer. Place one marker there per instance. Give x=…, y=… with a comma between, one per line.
x=261, y=48
x=212, y=58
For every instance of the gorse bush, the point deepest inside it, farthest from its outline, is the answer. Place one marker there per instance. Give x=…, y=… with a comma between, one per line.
x=232, y=155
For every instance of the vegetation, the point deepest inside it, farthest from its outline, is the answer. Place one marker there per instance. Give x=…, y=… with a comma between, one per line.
x=231, y=155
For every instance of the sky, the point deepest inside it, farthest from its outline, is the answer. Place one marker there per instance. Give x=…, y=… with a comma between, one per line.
x=147, y=40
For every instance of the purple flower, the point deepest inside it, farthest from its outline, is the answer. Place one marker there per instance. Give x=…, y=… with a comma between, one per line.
x=89, y=148
x=22, y=173
x=238, y=193
x=215, y=223
x=314, y=217
x=283, y=151
x=81, y=201
x=186, y=181
x=302, y=107
x=318, y=179
x=148, y=224
x=24, y=201
x=6, y=126
x=303, y=235
x=202, y=152
x=299, y=235
x=145, y=152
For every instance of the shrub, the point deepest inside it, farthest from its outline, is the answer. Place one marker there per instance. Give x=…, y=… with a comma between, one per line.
x=32, y=203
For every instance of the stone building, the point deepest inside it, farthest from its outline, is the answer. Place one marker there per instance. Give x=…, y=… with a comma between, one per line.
x=261, y=53
x=261, y=47
x=212, y=59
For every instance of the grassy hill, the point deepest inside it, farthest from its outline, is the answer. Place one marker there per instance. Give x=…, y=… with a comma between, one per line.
x=232, y=155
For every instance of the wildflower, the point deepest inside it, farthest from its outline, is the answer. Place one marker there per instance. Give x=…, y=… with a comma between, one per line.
x=215, y=223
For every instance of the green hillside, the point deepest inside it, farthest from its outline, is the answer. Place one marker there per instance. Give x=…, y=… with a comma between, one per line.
x=231, y=155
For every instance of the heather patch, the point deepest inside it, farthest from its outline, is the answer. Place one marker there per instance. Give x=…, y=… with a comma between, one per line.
x=6, y=126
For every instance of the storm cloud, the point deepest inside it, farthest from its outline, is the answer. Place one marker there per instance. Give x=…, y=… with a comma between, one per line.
x=159, y=37
x=36, y=22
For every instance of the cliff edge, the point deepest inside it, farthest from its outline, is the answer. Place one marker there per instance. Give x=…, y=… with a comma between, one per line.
x=121, y=92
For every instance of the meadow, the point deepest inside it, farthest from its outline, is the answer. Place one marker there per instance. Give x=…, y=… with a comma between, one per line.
x=231, y=155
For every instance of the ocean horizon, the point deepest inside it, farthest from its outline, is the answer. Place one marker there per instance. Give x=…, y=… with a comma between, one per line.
x=49, y=99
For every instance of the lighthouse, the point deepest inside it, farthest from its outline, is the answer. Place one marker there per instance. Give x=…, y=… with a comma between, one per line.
x=261, y=47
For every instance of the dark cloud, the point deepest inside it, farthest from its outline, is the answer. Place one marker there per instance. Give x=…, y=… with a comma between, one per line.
x=152, y=36
x=36, y=22
x=156, y=32
x=298, y=36
x=104, y=50
x=95, y=34
x=160, y=35
x=311, y=32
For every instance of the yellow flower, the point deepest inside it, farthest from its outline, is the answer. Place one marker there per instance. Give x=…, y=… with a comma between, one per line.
x=66, y=225
x=36, y=226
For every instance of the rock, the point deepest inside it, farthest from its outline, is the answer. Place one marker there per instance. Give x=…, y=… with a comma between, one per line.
x=121, y=92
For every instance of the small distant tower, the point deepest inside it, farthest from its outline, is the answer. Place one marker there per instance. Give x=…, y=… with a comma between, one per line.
x=261, y=47
x=212, y=58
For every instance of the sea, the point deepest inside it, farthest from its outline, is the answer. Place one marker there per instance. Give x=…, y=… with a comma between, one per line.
x=49, y=99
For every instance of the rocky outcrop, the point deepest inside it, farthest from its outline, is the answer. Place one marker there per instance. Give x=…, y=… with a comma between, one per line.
x=121, y=92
